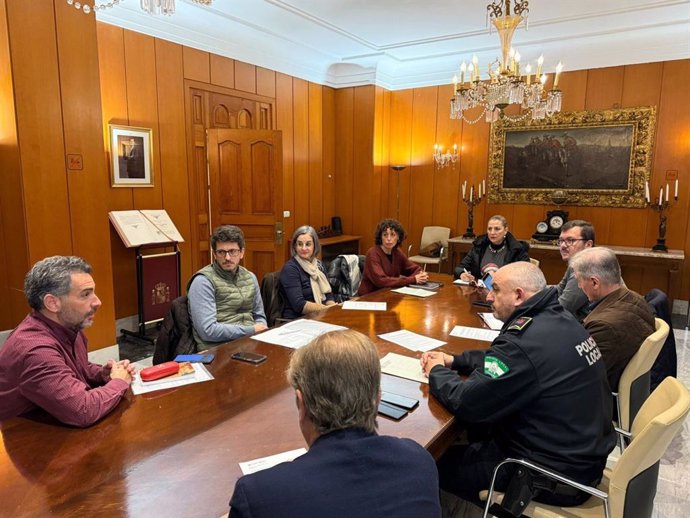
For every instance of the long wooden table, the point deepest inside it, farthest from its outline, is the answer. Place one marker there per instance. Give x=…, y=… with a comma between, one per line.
x=176, y=452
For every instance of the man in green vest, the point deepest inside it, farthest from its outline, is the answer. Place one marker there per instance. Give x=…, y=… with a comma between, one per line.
x=224, y=298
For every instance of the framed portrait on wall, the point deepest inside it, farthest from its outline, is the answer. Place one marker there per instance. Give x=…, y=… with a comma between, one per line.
x=600, y=158
x=131, y=160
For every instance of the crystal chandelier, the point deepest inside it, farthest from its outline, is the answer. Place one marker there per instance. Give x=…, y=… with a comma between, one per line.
x=149, y=6
x=443, y=159
x=507, y=84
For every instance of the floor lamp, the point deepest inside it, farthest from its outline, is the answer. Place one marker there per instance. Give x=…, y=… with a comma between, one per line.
x=398, y=168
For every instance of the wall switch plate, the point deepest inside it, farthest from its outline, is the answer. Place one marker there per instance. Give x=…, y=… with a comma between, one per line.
x=286, y=213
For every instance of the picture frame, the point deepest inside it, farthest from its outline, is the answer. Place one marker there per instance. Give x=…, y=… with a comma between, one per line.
x=131, y=160
x=600, y=158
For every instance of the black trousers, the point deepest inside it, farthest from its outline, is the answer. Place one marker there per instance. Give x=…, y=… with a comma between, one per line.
x=465, y=470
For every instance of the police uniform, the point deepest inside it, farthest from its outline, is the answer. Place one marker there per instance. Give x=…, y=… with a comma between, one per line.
x=542, y=389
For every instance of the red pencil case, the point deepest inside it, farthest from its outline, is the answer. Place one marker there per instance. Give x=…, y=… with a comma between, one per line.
x=159, y=371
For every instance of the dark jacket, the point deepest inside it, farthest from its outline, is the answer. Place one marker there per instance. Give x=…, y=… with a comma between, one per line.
x=619, y=323
x=175, y=336
x=347, y=473
x=542, y=384
x=666, y=363
x=295, y=288
x=340, y=278
x=516, y=251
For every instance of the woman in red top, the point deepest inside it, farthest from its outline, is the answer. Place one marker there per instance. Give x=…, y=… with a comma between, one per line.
x=385, y=265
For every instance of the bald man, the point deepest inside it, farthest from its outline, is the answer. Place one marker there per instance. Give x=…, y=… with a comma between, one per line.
x=540, y=388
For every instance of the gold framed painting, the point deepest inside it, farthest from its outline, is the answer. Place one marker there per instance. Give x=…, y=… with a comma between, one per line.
x=600, y=158
x=130, y=156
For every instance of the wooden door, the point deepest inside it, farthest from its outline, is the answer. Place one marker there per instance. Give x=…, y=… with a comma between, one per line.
x=245, y=174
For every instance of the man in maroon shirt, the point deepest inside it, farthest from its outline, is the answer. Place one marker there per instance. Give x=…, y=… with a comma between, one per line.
x=44, y=361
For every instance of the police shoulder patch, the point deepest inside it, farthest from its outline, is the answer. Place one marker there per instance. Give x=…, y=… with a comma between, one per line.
x=520, y=323
x=494, y=368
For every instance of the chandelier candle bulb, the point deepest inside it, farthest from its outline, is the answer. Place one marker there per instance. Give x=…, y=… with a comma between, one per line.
x=540, y=62
x=464, y=186
x=528, y=73
x=559, y=69
x=646, y=192
x=463, y=69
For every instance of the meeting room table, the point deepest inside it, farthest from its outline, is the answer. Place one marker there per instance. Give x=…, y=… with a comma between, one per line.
x=176, y=452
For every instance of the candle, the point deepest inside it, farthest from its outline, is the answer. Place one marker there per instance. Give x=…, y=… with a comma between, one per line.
x=661, y=196
x=666, y=191
x=455, y=83
x=475, y=63
x=470, y=70
x=484, y=187
x=517, y=63
x=463, y=69
x=455, y=149
x=646, y=192
x=464, y=185
x=559, y=69
x=540, y=62
x=528, y=71
x=479, y=191
x=471, y=192
x=675, y=195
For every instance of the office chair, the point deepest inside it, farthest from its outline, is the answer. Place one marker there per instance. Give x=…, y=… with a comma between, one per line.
x=633, y=387
x=431, y=235
x=272, y=299
x=628, y=490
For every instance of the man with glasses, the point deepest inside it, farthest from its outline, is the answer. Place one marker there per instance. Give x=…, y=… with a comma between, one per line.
x=576, y=235
x=224, y=298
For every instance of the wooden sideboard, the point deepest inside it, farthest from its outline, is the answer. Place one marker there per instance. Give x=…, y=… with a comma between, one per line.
x=642, y=268
x=332, y=247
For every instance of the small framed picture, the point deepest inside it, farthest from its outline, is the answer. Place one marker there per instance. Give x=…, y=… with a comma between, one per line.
x=130, y=156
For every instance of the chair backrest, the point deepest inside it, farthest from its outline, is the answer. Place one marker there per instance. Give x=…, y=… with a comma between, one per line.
x=632, y=483
x=633, y=387
x=433, y=234
x=176, y=335
x=666, y=363
x=534, y=261
x=272, y=298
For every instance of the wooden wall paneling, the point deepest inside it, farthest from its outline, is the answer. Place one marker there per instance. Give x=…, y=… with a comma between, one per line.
x=245, y=77
x=673, y=152
x=265, y=82
x=344, y=156
x=197, y=65
x=285, y=123
x=222, y=71
x=419, y=209
x=88, y=188
x=400, y=153
x=174, y=180
x=142, y=106
x=328, y=150
x=446, y=195
x=13, y=236
x=365, y=189
x=315, y=215
x=300, y=91
x=383, y=174
x=523, y=220
x=574, y=88
x=474, y=166
x=36, y=76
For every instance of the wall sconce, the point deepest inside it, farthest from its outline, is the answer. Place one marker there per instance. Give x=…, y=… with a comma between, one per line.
x=443, y=159
x=398, y=169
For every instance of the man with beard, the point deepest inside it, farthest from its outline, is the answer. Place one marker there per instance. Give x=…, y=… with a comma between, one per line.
x=44, y=363
x=224, y=298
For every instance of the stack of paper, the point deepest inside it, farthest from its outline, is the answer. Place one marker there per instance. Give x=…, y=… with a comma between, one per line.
x=491, y=321
x=417, y=292
x=412, y=341
x=403, y=367
x=474, y=333
x=297, y=333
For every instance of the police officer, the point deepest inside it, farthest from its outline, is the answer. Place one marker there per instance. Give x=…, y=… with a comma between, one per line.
x=540, y=390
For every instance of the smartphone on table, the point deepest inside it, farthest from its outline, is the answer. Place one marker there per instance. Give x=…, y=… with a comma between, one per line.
x=198, y=358
x=248, y=357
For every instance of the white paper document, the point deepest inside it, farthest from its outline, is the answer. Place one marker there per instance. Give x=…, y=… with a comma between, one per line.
x=365, y=306
x=412, y=341
x=474, y=333
x=143, y=387
x=297, y=333
x=403, y=367
x=478, y=284
x=252, y=466
x=417, y=292
x=491, y=321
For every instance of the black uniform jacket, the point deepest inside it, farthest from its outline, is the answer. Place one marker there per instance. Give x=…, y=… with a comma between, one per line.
x=542, y=384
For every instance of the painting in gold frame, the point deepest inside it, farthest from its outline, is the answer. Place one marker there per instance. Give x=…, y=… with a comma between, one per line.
x=600, y=158
x=131, y=160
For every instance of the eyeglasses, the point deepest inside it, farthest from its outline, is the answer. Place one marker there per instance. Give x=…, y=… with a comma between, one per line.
x=234, y=252
x=569, y=241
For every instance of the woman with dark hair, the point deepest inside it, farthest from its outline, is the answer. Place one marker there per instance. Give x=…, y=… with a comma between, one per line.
x=385, y=265
x=303, y=281
x=490, y=251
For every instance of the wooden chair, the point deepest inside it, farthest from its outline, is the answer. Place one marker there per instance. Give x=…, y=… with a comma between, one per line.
x=431, y=235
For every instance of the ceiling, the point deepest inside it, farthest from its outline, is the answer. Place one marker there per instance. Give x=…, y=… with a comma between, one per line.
x=400, y=44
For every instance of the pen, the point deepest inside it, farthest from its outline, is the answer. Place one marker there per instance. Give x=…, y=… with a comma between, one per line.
x=424, y=266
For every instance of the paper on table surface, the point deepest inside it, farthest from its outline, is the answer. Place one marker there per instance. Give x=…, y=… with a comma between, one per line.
x=252, y=466
x=491, y=321
x=417, y=292
x=412, y=341
x=297, y=333
x=403, y=367
x=478, y=284
x=144, y=387
x=475, y=333
x=366, y=306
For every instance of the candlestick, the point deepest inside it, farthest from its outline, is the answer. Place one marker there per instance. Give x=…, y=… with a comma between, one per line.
x=470, y=207
x=661, y=207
